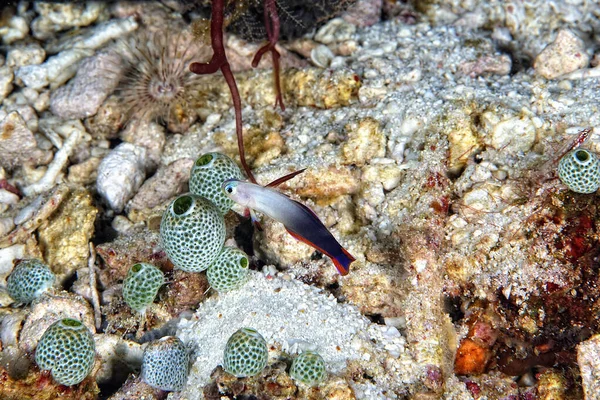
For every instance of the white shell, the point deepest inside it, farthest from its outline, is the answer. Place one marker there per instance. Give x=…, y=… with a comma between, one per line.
x=321, y=56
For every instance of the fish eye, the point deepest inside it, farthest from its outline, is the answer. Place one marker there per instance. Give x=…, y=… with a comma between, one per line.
x=229, y=187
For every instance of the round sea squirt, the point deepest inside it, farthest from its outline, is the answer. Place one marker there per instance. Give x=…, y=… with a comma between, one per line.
x=208, y=174
x=67, y=350
x=141, y=286
x=28, y=280
x=192, y=232
x=165, y=364
x=229, y=271
x=579, y=170
x=245, y=353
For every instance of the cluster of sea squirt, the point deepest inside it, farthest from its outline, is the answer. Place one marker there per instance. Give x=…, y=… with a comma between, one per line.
x=192, y=229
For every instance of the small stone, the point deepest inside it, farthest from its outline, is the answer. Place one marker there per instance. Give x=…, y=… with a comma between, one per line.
x=513, y=135
x=279, y=247
x=50, y=308
x=108, y=120
x=566, y=54
x=28, y=54
x=118, y=358
x=58, y=69
x=497, y=65
x=326, y=182
x=321, y=56
x=167, y=181
x=316, y=87
x=55, y=17
x=84, y=173
x=18, y=145
x=365, y=141
x=83, y=95
x=17, y=28
x=66, y=235
x=471, y=358
x=588, y=359
x=336, y=30
x=6, y=80
x=364, y=13
x=147, y=134
x=121, y=173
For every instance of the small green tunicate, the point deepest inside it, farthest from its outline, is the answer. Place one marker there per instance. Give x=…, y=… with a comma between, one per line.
x=308, y=368
x=192, y=231
x=245, y=353
x=141, y=285
x=165, y=364
x=229, y=271
x=208, y=173
x=579, y=170
x=29, y=279
x=67, y=350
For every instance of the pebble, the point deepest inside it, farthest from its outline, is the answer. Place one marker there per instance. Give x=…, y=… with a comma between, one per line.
x=365, y=141
x=496, y=64
x=147, y=134
x=167, y=182
x=364, y=13
x=28, y=54
x=86, y=92
x=17, y=28
x=121, y=174
x=336, y=30
x=64, y=237
x=588, y=359
x=566, y=54
x=56, y=17
x=321, y=56
x=6, y=80
x=49, y=309
x=18, y=145
x=513, y=135
x=60, y=68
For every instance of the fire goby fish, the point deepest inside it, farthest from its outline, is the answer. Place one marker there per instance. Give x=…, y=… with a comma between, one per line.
x=299, y=220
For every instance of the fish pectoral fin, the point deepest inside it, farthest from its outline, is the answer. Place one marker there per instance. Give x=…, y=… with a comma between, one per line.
x=255, y=220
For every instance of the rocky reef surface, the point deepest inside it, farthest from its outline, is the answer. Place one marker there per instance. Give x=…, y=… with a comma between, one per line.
x=430, y=132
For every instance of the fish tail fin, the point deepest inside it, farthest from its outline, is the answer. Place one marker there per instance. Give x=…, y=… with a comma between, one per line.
x=342, y=262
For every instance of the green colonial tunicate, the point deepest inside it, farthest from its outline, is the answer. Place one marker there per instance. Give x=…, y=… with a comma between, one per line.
x=245, y=353
x=229, y=271
x=67, y=350
x=28, y=280
x=165, y=364
x=192, y=232
x=141, y=285
x=208, y=173
x=579, y=170
x=308, y=368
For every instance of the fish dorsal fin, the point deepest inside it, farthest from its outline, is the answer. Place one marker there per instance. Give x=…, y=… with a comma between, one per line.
x=284, y=178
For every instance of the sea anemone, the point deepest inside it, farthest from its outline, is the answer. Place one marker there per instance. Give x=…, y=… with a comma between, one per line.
x=156, y=82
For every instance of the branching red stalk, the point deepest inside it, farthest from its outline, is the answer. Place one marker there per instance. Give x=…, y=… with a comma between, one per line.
x=219, y=62
x=272, y=26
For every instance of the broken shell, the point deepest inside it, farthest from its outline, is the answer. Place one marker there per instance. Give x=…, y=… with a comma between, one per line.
x=321, y=56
